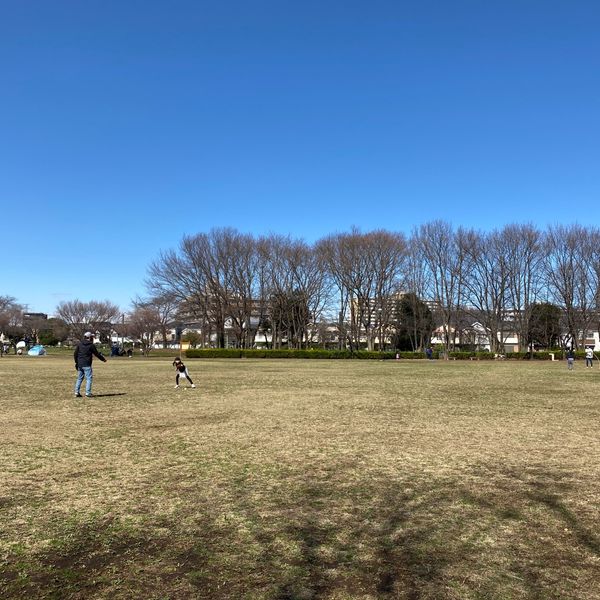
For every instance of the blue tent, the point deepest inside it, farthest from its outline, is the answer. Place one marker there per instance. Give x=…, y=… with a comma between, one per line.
x=37, y=351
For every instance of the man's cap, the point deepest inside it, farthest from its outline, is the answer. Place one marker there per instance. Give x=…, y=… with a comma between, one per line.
x=88, y=334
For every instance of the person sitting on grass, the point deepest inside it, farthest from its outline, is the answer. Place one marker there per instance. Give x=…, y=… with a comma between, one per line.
x=181, y=371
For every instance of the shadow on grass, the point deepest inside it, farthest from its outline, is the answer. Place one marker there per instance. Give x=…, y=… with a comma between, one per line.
x=541, y=492
x=310, y=534
x=546, y=488
x=387, y=549
x=104, y=557
x=403, y=564
x=83, y=558
x=316, y=536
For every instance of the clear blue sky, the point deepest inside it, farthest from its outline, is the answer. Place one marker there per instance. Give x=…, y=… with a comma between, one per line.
x=126, y=124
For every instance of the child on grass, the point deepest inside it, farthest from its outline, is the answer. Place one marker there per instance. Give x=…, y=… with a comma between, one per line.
x=181, y=371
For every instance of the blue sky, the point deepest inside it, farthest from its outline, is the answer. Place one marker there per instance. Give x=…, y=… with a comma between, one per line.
x=126, y=124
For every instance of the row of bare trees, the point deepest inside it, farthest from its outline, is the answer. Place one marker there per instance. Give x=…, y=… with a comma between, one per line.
x=74, y=318
x=17, y=324
x=287, y=286
x=367, y=271
x=373, y=286
x=499, y=277
x=147, y=318
x=225, y=278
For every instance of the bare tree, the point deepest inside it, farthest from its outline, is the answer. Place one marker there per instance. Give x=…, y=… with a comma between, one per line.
x=367, y=270
x=416, y=287
x=240, y=265
x=11, y=314
x=202, y=252
x=215, y=278
x=187, y=278
x=310, y=283
x=95, y=316
x=297, y=289
x=264, y=287
x=485, y=281
x=8, y=303
x=33, y=326
x=232, y=283
x=330, y=252
x=524, y=255
x=143, y=324
x=11, y=319
x=387, y=258
x=444, y=260
x=166, y=306
x=572, y=277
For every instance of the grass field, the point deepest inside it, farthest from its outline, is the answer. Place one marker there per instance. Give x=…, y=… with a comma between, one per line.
x=300, y=480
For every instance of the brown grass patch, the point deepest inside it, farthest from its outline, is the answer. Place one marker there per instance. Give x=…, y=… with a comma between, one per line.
x=300, y=480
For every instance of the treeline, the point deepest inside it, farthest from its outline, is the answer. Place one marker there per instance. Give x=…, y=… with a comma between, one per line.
x=375, y=290
x=383, y=285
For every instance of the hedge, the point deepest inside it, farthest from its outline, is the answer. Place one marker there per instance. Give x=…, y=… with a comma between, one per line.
x=461, y=355
x=558, y=355
x=284, y=353
x=362, y=354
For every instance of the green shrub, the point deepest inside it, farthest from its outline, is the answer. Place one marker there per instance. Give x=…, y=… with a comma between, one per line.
x=254, y=353
x=458, y=355
x=517, y=355
x=544, y=355
x=316, y=353
x=370, y=355
x=319, y=353
x=411, y=355
x=537, y=355
x=213, y=353
x=47, y=338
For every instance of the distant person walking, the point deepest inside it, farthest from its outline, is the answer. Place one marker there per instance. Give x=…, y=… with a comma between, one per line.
x=589, y=357
x=570, y=359
x=83, y=355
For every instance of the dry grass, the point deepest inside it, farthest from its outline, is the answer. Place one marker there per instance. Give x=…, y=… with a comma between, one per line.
x=300, y=480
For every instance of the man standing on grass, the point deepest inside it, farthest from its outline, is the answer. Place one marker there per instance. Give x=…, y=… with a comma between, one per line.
x=83, y=355
x=570, y=359
x=589, y=357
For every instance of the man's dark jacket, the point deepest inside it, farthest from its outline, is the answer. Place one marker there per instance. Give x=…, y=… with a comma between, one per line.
x=84, y=353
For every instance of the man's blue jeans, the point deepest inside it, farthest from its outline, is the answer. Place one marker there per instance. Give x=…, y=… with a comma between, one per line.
x=87, y=373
